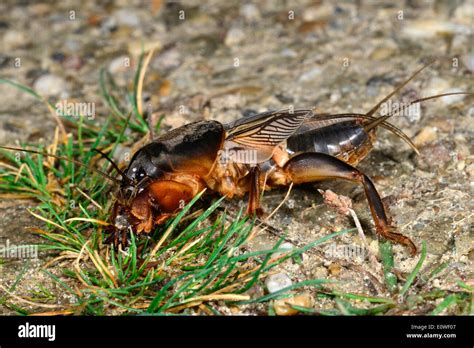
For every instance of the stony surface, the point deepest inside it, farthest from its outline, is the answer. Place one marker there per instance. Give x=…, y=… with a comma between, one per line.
x=222, y=60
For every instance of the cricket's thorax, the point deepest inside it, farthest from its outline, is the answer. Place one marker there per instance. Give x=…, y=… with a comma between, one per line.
x=234, y=179
x=228, y=177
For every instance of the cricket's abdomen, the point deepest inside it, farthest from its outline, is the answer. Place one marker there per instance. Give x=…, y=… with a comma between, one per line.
x=346, y=140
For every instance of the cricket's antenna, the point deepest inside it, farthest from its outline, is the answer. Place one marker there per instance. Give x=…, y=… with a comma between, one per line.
x=110, y=161
x=105, y=175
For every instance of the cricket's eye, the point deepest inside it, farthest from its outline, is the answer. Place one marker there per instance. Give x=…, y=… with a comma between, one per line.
x=138, y=174
x=141, y=174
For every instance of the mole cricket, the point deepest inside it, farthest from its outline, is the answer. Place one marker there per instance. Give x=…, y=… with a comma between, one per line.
x=249, y=155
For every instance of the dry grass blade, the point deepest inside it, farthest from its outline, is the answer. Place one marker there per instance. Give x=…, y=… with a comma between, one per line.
x=281, y=203
x=46, y=220
x=140, y=81
x=20, y=299
x=77, y=267
x=53, y=313
x=94, y=221
x=219, y=297
x=99, y=265
x=58, y=120
x=180, y=308
x=162, y=240
x=66, y=255
x=20, y=170
x=15, y=196
x=89, y=198
x=9, y=166
x=54, y=236
x=373, y=259
x=53, y=147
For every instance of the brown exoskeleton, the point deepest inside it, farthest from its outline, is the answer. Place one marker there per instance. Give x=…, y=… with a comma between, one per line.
x=247, y=156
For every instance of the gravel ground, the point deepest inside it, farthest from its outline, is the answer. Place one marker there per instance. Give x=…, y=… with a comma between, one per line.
x=222, y=60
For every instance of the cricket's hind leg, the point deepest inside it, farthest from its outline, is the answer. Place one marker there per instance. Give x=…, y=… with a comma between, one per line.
x=313, y=166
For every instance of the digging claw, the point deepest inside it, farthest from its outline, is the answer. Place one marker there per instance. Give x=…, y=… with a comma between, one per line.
x=398, y=238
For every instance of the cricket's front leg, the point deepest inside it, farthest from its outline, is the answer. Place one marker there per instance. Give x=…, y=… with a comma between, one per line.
x=312, y=166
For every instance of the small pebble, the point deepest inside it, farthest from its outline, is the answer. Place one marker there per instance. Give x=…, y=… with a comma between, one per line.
x=250, y=12
x=72, y=45
x=255, y=291
x=39, y=9
x=468, y=60
x=3, y=60
x=58, y=56
x=319, y=12
x=320, y=272
x=437, y=85
x=136, y=47
x=127, y=17
x=470, y=172
x=461, y=165
x=170, y=59
x=234, y=37
x=283, y=306
x=73, y=62
x=108, y=25
x=288, y=52
x=434, y=155
x=334, y=269
x=286, y=247
x=14, y=39
x=426, y=135
x=382, y=53
x=261, y=242
x=335, y=96
x=278, y=281
x=465, y=13
x=374, y=247
x=234, y=309
x=453, y=99
x=49, y=85
x=446, y=125
x=120, y=64
x=470, y=112
x=431, y=28
x=230, y=101
x=310, y=75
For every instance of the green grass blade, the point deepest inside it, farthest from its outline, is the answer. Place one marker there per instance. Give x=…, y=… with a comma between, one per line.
x=387, y=261
x=415, y=271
